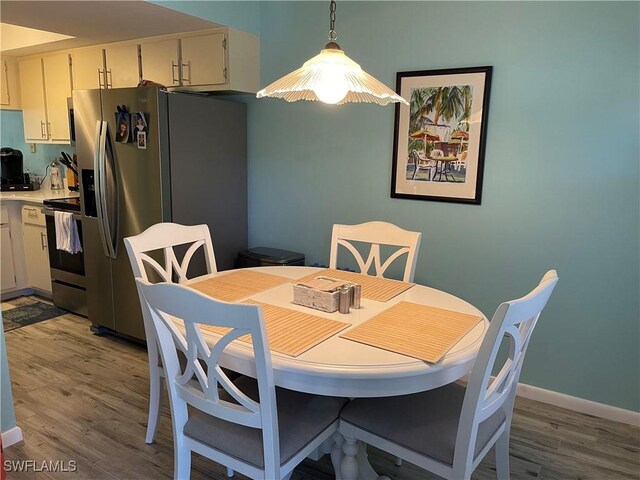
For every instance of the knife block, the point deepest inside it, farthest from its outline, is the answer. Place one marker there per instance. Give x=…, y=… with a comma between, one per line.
x=72, y=180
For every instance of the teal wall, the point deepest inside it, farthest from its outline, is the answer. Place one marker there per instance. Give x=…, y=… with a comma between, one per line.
x=7, y=415
x=12, y=135
x=561, y=186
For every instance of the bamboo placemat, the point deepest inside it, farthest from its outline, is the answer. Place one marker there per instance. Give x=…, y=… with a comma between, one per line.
x=238, y=285
x=289, y=331
x=373, y=288
x=419, y=331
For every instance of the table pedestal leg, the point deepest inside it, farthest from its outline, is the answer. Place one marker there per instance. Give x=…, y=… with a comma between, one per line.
x=349, y=462
x=336, y=454
x=355, y=462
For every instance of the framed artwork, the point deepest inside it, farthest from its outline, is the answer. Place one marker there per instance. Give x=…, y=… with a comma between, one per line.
x=439, y=139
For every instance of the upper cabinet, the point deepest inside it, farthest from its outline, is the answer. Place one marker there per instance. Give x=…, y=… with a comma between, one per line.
x=215, y=60
x=33, y=105
x=45, y=84
x=203, y=60
x=9, y=84
x=88, y=68
x=122, y=67
x=108, y=66
x=57, y=89
x=160, y=60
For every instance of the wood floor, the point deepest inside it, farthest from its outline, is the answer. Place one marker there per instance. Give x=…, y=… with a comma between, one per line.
x=83, y=398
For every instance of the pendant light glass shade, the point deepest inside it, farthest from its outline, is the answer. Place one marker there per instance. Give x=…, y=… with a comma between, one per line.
x=334, y=78
x=331, y=77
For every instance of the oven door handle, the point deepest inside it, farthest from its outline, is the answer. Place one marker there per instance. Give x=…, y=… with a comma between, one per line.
x=50, y=213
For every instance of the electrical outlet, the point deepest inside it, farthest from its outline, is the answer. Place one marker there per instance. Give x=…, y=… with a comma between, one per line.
x=32, y=147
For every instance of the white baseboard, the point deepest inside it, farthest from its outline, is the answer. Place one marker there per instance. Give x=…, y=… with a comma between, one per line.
x=11, y=436
x=575, y=404
x=579, y=404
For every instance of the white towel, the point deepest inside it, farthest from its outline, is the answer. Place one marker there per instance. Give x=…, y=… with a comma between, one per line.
x=67, y=238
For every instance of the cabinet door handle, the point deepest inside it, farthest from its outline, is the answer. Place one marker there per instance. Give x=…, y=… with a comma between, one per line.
x=49, y=130
x=32, y=211
x=43, y=241
x=174, y=68
x=109, y=79
x=100, y=78
x=184, y=77
x=42, y=133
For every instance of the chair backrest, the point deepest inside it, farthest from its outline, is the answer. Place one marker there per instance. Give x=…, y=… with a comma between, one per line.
x=167, y=303
x=484, y=396
x=165, y=237
x=377, y=234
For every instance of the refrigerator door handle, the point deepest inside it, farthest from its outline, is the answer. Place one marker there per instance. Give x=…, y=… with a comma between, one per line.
x=110, y=205
x=97, y=169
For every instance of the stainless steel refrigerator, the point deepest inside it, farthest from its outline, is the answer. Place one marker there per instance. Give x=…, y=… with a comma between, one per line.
x=191, y=170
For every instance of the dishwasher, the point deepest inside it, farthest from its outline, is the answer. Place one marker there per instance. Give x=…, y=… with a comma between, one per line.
x=67, y=270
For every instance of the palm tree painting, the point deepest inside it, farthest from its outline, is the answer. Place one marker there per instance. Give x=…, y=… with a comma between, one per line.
x=442, y=112
x=439, y=137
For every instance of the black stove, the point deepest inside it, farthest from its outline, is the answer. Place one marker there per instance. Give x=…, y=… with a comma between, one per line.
x=68, y=204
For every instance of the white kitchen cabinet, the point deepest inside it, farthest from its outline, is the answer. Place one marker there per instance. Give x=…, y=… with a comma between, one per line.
x=222, y=59
x=105, y=66
x=88, y=68
x=161, y=61
x=185, y=61
x=36, y=251
x=7, y=268
x=45, y=86
x=203, y=61
x=8, y=279
x=121, y=66
x=34, y=112
x=9, y=84
x=57, y=88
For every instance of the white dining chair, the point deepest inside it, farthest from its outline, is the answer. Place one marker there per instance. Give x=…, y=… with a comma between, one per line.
x=376, y=234
x=448, y=431
x=249, y=426
x=162, y=238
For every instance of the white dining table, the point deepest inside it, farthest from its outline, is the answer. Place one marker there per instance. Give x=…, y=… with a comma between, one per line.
x=341, y=367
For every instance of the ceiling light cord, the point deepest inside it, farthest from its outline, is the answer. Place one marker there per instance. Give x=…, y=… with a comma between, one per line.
x=332, y=22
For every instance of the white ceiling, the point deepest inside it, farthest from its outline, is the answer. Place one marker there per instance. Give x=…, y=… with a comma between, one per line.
x=94, y=22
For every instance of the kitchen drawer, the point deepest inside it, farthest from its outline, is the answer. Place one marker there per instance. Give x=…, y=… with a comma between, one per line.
x=4, y=214
x=34, y=215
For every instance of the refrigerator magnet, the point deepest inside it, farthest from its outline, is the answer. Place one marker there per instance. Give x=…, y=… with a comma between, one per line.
x=123, y=124
x=142, y=140
x=139, y=124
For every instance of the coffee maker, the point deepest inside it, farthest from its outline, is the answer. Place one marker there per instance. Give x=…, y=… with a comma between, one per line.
x=12, y=176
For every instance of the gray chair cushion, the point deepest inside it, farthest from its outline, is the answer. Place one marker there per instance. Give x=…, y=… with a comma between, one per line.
x=301, y=418
x=426, y=422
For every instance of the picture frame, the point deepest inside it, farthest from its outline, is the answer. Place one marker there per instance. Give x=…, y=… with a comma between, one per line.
x=439, y=139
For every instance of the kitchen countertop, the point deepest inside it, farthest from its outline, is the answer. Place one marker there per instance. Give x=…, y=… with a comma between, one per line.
x=37, y=196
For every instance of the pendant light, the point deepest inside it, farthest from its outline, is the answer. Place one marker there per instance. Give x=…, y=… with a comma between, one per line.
x=331, y=77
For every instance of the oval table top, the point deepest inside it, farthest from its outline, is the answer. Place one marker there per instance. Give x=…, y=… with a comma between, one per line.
x=341, y=367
